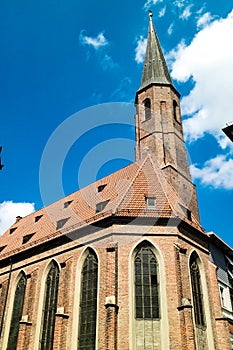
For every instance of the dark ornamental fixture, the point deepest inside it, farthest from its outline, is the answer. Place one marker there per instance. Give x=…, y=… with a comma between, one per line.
x=228, y=130
x=1, y=165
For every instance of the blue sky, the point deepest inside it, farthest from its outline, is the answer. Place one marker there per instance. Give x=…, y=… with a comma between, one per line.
x=59, y=58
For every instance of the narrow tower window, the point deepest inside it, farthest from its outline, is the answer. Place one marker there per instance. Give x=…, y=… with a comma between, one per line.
x=17, y=313
x=146, y=284
x=197, y=291
x=50, y=308
x=88, y=303
x=147, y=107
x=176, y=112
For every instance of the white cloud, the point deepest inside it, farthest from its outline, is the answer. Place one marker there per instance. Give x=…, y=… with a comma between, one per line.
x=99, y=41
x=108, y=63
x=162, y=12
x=122, y=91
x=151, y=2
x=216, y=172
x=186, y=13
x=96, y=42
x=140, y=49
x=9, y=210
x=179, y=3
x=204, y=20
x=208, y=61
x=170, y=29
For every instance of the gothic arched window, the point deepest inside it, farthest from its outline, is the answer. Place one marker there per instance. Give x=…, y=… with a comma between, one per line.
x=146, y=284
x=197, y=291
x=49, y=308
x=88, y=303
x=147, y=107
x=17, y=313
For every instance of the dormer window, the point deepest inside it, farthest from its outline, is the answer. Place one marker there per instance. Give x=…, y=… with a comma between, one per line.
x=38, y=217
x=147, y=108
x=66, y=204
x=2, y=247
x=12, y=230
x=100, y=206
x=150, y=203
x=27, y=237
x=101, y=187
x=61, y=223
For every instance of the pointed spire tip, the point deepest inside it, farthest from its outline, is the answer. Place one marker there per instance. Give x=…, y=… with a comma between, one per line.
x=155, y=69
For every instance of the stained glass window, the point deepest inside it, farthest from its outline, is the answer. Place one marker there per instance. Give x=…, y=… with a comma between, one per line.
x=17, y=313
x=49, y=308
x=197, y=291
x=146, y=284
x=88, y=303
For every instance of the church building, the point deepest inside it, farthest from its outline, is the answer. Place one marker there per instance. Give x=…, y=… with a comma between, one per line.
x=124, y=263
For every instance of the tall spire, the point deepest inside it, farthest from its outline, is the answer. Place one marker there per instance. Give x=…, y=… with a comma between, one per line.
x=155, y=68
x=159, y=124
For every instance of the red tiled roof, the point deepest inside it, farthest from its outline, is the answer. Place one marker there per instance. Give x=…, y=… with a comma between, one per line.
x=124, y=195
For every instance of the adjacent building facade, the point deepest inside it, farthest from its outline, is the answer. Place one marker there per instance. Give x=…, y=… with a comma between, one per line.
x=123, y=263
x=222, y=256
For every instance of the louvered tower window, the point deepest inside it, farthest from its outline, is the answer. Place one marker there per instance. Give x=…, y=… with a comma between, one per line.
x=197, y=291
x=146, y=284
x=88, y=303
x=147, y=106
x=17, y=313
x=49, y=308
x=175, y=110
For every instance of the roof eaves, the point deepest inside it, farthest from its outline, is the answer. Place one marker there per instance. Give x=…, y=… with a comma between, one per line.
x=58, y=233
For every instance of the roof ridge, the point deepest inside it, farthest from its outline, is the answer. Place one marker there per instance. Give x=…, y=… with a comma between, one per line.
x=162, y=179
x=131, y=183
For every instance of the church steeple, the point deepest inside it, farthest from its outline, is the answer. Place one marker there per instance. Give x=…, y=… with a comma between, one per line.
x=159, y=130
x=155, y=68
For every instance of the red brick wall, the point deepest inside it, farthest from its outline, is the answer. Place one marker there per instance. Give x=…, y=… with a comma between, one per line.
x=114, y=315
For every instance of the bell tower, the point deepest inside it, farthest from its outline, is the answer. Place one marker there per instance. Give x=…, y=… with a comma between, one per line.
x=158, y=122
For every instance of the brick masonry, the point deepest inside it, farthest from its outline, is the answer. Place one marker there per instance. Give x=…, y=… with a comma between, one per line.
x=162, y=137
x=115, y=293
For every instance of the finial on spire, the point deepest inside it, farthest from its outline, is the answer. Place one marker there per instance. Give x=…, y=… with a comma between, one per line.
x=150, y=14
